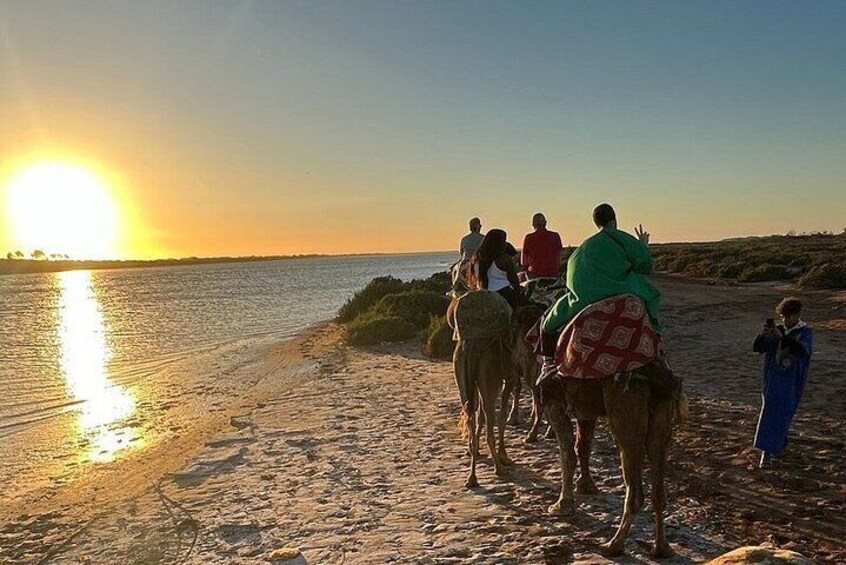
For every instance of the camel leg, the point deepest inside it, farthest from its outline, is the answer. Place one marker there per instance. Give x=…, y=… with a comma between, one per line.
x=628, y=416
x=473, y=440
x=632, y=463
x=501, y=420
x=480, y=426
x=658, y=443
x=537, y=412
x=560, y=422
x=584, y=440
x=489, y=398
x=514, y=413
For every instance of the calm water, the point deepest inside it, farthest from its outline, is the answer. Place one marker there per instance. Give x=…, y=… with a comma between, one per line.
x=90, y=361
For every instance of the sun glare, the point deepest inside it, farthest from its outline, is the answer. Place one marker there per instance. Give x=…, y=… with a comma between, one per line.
x=62, y=208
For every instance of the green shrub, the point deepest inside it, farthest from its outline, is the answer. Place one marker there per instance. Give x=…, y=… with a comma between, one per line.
x=414, y=307
x=727, y=259
x=372, y=329
x=440, y=282
x=703, y=268
x=437, y=341
x=830, y=275
x=730, y=270
x=765, y=273
x=368, y=296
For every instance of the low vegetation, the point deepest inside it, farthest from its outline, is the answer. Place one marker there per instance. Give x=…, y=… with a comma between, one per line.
x=437, y=340
x=830, y=275
x=371, y=329
x=388, y=309
x=814, y=260
x=414, y=306
x=365, y=298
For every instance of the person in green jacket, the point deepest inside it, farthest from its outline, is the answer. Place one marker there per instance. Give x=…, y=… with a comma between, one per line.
x=607, y=264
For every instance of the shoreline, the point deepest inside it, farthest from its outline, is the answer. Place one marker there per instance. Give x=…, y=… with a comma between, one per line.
x=109, y=483
x=32, y=266
x=360, y=459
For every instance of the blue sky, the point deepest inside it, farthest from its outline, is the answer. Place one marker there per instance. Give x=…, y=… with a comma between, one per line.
x=383, y=126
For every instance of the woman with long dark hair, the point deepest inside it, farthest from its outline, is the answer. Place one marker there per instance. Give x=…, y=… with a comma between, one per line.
x=494, y=269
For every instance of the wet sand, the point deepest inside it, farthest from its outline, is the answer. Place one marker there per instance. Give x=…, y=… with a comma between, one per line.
x=354, y=456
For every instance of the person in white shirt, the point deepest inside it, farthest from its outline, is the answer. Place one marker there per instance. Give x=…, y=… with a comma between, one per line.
x=470, y=242
x=494, y=269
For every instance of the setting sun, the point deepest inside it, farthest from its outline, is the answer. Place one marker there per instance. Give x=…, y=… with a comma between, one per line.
x=62, y=208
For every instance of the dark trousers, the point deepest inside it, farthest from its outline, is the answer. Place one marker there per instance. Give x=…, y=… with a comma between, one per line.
x=515, y=297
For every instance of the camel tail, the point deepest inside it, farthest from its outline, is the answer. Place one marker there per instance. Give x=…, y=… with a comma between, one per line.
x=464, y=422
x=467, y=379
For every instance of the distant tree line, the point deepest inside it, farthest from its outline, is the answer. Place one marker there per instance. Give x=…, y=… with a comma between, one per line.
x=37, y=255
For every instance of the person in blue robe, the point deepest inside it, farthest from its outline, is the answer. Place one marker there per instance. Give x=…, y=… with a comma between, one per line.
x=787, y=357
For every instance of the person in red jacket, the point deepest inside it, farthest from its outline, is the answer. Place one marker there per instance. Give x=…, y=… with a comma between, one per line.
x=541, y=253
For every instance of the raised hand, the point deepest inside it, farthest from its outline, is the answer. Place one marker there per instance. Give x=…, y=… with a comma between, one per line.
x=642, y=234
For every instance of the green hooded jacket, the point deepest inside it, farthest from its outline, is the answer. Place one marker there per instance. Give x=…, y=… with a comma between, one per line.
x=607, y=264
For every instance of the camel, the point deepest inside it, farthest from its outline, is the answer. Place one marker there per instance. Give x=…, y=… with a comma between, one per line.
x=483, y=371
x=526, y=369
x=640, y=416
x=543, y=293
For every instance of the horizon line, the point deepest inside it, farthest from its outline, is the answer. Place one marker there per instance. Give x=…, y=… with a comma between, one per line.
x=209, y=258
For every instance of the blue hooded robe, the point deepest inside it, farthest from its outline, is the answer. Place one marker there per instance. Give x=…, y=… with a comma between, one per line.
x=786, y=363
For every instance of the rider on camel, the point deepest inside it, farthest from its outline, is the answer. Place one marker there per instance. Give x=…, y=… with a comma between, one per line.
x=607, y=264
x=493, y=268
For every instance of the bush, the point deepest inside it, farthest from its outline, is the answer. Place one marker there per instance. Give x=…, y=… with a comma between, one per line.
x=414, y=307
x=765, y=273
x=730, y=270
x=368, y=296
x=704, y=268
x=437, y=341
x=372, y=329
x=830, y=275
x=440, y=282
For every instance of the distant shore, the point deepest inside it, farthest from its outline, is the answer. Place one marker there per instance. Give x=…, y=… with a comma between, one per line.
x=30, y=266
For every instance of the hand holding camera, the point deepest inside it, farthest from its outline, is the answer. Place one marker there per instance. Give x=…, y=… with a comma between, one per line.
x=770, y=329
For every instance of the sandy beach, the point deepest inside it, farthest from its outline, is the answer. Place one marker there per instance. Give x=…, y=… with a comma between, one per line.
x=354, y=456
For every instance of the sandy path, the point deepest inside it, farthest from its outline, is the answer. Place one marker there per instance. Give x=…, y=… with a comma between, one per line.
x=361, y=463
x=339, y=467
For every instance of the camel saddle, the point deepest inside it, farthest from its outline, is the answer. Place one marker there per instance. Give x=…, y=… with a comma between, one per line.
x=479, y=314
x=608, y=337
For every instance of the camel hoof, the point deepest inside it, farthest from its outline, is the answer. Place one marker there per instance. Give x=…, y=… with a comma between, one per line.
x=586, y=487
x=662, y=551
x=505, y=460
x=471, y=482
x=565, y=508
x=500, y=471
x=531, y=438
x=611, y=550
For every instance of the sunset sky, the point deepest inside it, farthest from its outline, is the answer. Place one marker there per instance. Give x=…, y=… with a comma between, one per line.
x=240, y=128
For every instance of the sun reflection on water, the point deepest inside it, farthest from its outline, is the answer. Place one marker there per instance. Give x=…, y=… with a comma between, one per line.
x=85, y=354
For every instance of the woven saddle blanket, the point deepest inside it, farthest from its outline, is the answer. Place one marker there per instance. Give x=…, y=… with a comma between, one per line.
x=479, y=314
x=609, y=337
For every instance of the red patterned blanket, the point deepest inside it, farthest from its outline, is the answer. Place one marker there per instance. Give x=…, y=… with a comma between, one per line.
x=609, y=337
